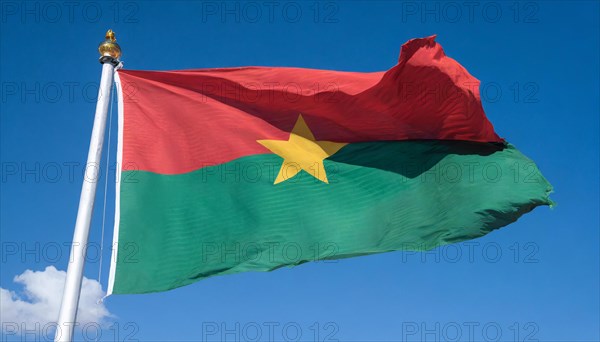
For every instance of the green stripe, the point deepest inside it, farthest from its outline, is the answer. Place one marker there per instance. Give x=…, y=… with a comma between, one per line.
x=385, y=196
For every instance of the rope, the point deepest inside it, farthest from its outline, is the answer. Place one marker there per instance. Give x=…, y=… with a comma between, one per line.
x=106, y=186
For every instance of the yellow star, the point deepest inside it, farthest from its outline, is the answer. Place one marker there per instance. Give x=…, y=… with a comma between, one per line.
x=302, y=152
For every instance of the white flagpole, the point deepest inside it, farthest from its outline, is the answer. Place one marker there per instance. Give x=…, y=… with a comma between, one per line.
x=110, y=52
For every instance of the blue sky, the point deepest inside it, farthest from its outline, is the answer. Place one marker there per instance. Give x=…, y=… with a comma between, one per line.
x=539, y=66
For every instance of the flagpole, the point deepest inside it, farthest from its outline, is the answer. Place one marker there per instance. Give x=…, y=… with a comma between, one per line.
x=110, y=53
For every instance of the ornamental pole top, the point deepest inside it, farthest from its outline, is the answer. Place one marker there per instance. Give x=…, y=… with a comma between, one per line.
x=109, y=46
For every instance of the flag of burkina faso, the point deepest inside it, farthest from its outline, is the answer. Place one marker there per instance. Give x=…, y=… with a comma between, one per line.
x=254, y=168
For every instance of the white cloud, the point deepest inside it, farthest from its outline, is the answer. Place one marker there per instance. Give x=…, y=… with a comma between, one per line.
x=39, y=304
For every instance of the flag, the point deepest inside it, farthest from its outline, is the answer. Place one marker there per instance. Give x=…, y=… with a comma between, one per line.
x=254, y=168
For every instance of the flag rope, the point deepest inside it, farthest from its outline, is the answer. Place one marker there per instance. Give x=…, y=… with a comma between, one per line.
x=110, y=115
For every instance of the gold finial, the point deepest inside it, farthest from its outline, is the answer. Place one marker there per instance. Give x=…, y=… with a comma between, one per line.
x=110, y=35
x=109, y=47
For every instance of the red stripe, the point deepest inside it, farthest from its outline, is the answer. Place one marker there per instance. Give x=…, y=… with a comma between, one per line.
x=180, y=121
